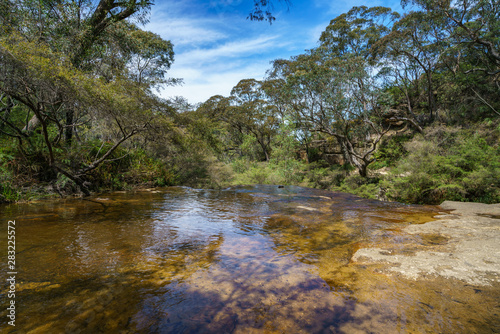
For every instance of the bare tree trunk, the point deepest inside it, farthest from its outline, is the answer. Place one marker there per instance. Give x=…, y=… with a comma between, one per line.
x=33, y=123
x=68, y=133
x=6, y=110
x=345, y=151
x=430, y=95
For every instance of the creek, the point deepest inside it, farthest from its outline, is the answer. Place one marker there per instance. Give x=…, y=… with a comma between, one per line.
x=255, y=259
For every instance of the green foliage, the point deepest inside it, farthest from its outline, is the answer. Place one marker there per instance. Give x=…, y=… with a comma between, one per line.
x=255, y=173
x=250, y=148
x=20, y=174
x=366, y=187
x=149, y=55
x=462, y=167
x=280, y=173
x=285, y=143
x=8, y=193
x=219, y=175
x=390, y=151
x=357, y=30
x=318, y=175
x=70, y=70
x=287, y=172
x=241, y=165
x=8, y=188
x=375, y=71
x=190, y=170
x=148, y=171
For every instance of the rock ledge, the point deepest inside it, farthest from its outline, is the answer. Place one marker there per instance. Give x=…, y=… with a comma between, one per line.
x=471, y=254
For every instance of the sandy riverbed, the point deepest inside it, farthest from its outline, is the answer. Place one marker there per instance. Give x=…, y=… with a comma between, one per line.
x=466, y=246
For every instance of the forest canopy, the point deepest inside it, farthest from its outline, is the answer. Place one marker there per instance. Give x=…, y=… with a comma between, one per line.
x=79, y=109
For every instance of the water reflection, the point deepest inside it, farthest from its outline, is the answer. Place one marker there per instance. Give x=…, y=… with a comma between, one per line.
x=257, y=259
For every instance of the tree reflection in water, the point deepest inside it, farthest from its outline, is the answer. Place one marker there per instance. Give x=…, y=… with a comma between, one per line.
x=256, y=259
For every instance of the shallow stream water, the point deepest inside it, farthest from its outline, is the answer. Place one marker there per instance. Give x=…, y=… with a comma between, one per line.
x=258, y=259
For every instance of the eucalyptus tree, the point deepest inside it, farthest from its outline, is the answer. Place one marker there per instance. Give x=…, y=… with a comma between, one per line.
x=474, y=37
x=339, y=98
x=334, y=88
x=69, y=65
x=417, y=42
x=42, y=82
x=293, y=98
x=247, y=116
x=252, y=113
x=355, y=32
x=455, y=46
x=474, y=23
x=215, y=128
x=95, y=37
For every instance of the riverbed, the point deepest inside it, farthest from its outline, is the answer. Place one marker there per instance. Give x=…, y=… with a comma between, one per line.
x=256, y=259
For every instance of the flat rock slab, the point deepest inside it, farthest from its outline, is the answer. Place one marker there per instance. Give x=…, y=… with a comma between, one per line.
x=471, y=253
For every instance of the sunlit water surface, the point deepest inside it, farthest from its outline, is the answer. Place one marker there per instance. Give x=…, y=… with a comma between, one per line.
x=259, y=259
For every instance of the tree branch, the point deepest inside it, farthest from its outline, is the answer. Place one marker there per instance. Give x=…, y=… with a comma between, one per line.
x=485, y=102
x=96, y=163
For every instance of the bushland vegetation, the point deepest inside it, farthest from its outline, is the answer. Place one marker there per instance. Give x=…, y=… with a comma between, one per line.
x=392, y=106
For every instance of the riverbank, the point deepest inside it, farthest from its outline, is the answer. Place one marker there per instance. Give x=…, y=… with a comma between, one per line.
x=463, y=243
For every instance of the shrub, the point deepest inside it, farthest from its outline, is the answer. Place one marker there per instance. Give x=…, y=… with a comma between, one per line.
x=449, y=165
x=390, y=151
x=8, y=193
x=284, y=172
x=367, y=187
x=240, y=165
x=256, y=173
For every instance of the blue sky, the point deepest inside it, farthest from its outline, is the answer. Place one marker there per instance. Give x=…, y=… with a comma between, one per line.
x=216, y=46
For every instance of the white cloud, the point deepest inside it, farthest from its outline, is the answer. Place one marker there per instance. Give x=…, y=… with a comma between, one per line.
x=241, y=48
x=216, y=48
x=185, y=31
x=200, y=85
x=343, y=6
x=212, y=71
x=315, y=32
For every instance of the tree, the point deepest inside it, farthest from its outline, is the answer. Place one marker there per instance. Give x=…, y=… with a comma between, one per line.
x=355, y=32
x=472, y=22
x=417, y=41
x=94, y=23
x=474, y=31
x=217, y=130
x=44, y=82
x=85, y=31
x=83, y=67
x=263, y=10
x=246, y=114
x=253, y=114
x=340, y=99
x=470, y=57
x=149, y=57
x=334, y=89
